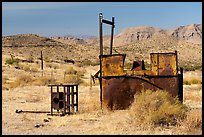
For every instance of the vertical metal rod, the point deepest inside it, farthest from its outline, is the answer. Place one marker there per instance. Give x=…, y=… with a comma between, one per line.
x=64, y=100
x=68, y=98
x=180, y=94
x=176, y=62
x=101, y=53
x=101, y=33
x=112, y=31
x=58, y=95
x=72, y=90
x=51, y=100
x=158, y=64
x=77, y=98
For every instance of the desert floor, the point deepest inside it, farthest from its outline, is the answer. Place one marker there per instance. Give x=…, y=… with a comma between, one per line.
x=90, y=119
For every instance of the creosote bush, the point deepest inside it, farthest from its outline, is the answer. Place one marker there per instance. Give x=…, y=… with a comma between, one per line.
x=11, y=61
x=157, y=108
x=192, y=81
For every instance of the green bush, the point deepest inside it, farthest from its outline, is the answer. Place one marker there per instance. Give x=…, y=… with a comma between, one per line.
x=192, y=81
x=157, y=108
x=191, y=68
x=12, y=61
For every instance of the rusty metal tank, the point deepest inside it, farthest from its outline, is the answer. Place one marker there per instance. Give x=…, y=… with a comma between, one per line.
x=118, y=86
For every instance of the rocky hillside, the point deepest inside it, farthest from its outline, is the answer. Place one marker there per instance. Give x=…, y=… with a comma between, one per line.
x=190, y=33
x=22, y=40
x=69, y=40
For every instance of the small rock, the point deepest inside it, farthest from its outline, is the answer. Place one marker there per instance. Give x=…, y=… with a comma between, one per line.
x=46, y=120
x=39, y=125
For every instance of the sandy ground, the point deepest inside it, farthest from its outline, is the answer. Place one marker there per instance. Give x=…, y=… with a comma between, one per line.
x=90, y=119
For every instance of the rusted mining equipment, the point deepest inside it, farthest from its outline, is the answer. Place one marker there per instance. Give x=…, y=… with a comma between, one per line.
x=64, y=99
x=118, y=86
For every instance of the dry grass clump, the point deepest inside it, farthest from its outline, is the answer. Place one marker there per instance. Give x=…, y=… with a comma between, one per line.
x=24, y=67
x=25, y=80
x=192, y=80
x=73, y=76
x=22, y=80
x=157, y=108
x=49, y=65
x=192, y=124
x=4, y=79
x=5, y=84
x=52, y=65
x=72, y=79
x=43, y=81
x=70, y=70
x=194, y=94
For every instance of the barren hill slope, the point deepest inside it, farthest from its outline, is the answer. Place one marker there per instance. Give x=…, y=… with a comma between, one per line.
x=28, y=40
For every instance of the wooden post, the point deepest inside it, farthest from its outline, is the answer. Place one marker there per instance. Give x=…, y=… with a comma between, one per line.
x=42, y=63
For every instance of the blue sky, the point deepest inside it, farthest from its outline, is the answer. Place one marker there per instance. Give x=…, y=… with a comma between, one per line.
x=73, y=18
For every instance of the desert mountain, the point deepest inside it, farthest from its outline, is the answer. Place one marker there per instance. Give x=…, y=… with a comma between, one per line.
x=137, y=43
x=190, y=33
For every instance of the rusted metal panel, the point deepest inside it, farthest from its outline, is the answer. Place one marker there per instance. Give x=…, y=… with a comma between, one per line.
x=113, y=65
x=164, y=63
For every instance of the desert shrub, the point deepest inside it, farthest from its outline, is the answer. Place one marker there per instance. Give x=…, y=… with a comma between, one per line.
x=157, y=108
x=95, y=63
x=81, y=72
x=24, y=67
x=193, y=120
x=4, y=79
x=30, y=58
x=55, y=66
x=191, y=68
x=22, y=80
x=192, y=81
x=5, y=83
x=42, y=81
x=87, y=62
x=49, y=65
x=70, y=70
x=12, y=61
x=72, y=79
x=46, y=59
x=192, y=124
x=33, y=69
